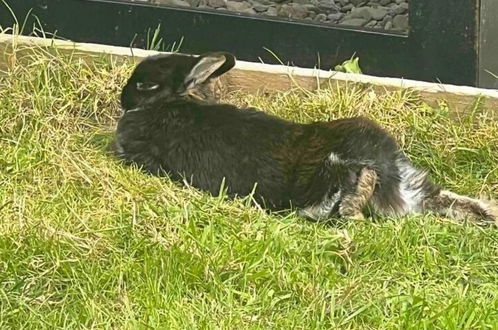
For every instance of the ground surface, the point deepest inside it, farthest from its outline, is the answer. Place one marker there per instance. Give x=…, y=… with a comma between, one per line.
x=87, y=242
x=378, y=14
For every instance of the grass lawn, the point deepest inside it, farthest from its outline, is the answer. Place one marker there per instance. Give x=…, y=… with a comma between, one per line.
x=87, y=242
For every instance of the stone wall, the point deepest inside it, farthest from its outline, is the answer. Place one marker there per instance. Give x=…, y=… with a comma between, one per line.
x=376, y=14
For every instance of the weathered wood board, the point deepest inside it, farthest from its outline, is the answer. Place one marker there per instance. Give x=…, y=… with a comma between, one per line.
x=259, y=77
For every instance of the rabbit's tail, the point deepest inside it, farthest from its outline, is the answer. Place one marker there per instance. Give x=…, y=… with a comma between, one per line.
x=419, y=195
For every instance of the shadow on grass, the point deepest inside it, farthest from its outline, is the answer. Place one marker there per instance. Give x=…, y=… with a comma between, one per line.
x=104, y=142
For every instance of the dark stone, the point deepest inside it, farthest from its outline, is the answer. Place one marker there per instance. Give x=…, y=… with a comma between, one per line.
x=398, y=10
x=328, y=5
x=295, y=11
x=216, y=3
x=262, y=2
x=358, y=3
x=371, y=24
x=386, y=19
x=354, y=21
x=404, y=6
x=347, y=7
x=260, y=7
x=237, y=6
x=378, y=13
x=176, y=3
x=312, y=9
x=361, y=12
x=272, y=11
x=311, y=15
x=335, y=17
x=250, y=11
x=400, y=22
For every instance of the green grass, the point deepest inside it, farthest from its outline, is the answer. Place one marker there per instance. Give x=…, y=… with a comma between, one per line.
x=86, y=242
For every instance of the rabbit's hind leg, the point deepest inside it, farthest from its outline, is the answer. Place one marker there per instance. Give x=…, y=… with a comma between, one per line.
x=347, y=187
x=353, y=203
x=449, y=204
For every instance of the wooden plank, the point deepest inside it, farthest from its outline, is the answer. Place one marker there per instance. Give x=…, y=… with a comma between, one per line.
x=258, y=77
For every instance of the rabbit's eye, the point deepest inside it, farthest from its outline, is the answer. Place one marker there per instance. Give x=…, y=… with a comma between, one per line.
x=147, y=86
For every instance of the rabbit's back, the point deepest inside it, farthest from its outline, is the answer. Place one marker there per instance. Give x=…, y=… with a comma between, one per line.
x=208, y=144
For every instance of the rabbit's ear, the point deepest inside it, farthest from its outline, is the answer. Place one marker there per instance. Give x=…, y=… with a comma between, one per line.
x=208, y=66
x=227, y=66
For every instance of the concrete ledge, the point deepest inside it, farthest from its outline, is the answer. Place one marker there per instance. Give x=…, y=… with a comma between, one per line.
x=258, y=77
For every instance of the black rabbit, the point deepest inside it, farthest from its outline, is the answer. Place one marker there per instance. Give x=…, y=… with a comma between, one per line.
x=173, y=126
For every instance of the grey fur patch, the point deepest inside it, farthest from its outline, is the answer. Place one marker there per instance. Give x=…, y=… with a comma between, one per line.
x=119, y=148
x=335, y=159
x=411, y=187
x=321, y=211
x=133, y=109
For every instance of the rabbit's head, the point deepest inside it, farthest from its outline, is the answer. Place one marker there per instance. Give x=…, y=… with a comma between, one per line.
x=175, y=76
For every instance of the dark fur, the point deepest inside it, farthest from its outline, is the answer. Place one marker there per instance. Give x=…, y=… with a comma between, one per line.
x=167, y=131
